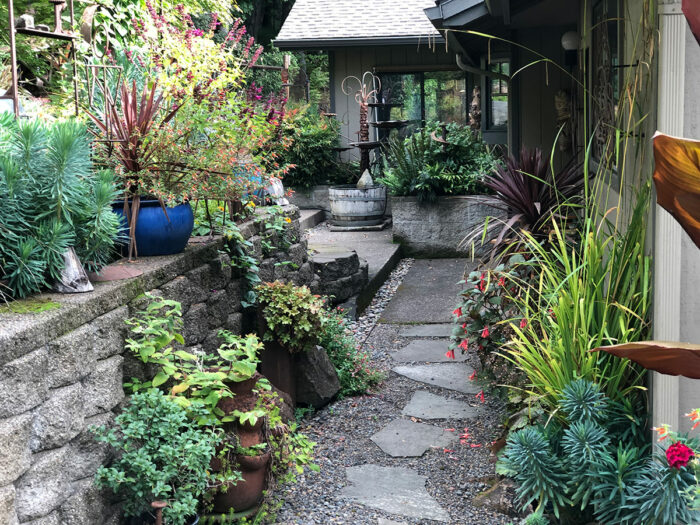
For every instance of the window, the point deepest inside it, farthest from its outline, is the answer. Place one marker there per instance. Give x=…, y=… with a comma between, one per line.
x=495, y=100
x=498, y=95
x=424, y=96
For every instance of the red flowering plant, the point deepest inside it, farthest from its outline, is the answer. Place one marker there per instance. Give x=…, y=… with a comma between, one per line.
x=483, y=317
x=682, y=453
x=224, y=127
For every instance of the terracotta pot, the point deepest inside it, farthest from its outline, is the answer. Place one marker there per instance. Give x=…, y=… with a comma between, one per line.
x=277, y=363
x=248, y=492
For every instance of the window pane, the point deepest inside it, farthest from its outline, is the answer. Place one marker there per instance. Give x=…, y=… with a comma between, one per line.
x=498, y=95
x=446, y=96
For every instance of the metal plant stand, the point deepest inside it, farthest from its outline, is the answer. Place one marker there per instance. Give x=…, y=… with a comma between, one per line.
x=57, y=34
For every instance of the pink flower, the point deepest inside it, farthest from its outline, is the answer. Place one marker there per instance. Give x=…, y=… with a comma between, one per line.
x=678, y=455
x=485, y=332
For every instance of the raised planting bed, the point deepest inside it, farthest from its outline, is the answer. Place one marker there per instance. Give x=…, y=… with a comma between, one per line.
x=438, y=229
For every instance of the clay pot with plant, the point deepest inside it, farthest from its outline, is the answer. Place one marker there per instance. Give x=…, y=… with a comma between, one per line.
x=289, y=321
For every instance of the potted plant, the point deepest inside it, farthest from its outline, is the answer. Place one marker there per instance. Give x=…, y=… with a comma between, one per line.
x=136, y=138
x=163, y=455
x=289, y=320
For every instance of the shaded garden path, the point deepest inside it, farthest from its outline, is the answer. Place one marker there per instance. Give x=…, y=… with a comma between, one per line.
x=416, y=451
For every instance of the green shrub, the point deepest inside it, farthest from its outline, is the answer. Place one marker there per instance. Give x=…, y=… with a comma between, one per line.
x=312, y=139
x=420, y=166
x=586, y=469
x=51, y=201
x=163, y=455
x=292, y=314
x=354, y=370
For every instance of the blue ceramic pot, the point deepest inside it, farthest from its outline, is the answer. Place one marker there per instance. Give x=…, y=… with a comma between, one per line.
x=155, y=234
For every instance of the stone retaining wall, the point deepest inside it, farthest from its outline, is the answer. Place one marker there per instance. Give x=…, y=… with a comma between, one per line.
x=437, y=229
x=62, y=371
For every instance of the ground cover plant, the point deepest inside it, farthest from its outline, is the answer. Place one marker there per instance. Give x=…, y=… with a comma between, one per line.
x=426, y=168
x=163, y=455
x=52, y=200
x=354, y=369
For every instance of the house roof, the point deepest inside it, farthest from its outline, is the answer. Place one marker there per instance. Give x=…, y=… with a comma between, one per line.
x=337, y=23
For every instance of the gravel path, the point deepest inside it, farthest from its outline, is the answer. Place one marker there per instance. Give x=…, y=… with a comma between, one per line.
x=343, y=430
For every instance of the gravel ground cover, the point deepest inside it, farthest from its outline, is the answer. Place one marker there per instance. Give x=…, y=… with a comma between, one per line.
x=343, y=429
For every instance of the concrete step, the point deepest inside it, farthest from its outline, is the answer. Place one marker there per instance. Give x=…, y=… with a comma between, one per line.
x=310, y=218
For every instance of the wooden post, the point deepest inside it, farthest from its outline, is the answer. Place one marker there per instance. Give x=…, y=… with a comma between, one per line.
x=285, y=74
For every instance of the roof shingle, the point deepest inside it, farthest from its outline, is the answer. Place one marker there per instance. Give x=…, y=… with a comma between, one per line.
x=328, y=21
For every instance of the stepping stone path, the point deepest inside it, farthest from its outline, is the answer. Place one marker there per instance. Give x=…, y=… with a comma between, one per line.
x=410, y=439
x=427, y=350
x=404, y=438
x=398, y=490
x=425, y=405
x=453, y=376
x=395, y=490
x=427, y=330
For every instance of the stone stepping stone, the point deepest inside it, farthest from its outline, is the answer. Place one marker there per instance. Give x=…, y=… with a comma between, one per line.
x=427, y=330
x=384, y=521
x=425, y=405
x=403, y=438
x=454, y=376
x=395, y=490
x=427, y=350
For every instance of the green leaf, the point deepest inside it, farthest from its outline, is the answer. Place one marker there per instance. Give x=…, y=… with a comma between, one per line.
x=160, y=378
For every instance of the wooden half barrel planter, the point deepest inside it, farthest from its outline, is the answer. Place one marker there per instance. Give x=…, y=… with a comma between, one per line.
x=353, y=206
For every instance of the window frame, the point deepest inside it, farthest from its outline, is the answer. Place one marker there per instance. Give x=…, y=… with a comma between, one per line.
x=494, y=134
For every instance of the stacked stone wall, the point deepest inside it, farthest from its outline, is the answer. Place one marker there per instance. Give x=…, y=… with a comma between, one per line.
x=62, y=371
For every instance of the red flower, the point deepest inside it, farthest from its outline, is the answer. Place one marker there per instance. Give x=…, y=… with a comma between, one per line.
x=678, y=455
x=485, y=331
x=450, y=354
x=480, y=396
x=457, y=312
x=473, y=376
x=523, y=323
x=464, y=345
x=501, y=282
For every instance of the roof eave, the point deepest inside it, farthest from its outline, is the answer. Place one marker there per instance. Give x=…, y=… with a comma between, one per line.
x=330, y=43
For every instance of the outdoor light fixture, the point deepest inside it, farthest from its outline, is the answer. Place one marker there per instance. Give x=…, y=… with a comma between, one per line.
x=570, y=42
